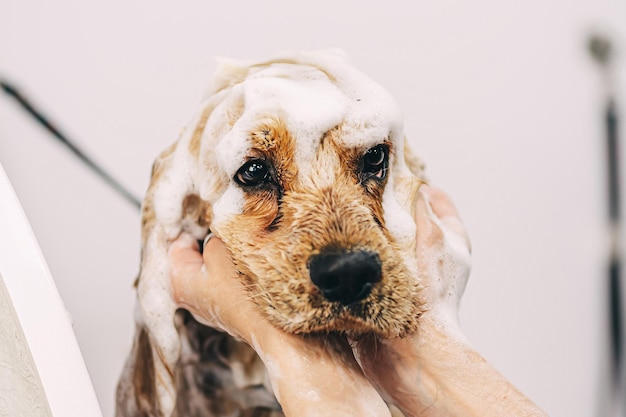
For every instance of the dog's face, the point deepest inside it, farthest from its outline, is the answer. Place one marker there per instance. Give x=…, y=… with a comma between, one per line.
x=302, y=165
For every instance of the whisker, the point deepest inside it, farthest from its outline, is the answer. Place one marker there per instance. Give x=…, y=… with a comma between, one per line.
x=252, y=296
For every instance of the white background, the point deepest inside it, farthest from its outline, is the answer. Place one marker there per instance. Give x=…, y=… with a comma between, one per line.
x=500, y=97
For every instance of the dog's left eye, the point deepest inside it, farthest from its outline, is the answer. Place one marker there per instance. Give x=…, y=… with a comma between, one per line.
x=253, y=173
x=376, y=161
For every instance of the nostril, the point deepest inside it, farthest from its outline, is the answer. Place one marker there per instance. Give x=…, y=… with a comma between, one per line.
x=328, y=281
x=345, y=277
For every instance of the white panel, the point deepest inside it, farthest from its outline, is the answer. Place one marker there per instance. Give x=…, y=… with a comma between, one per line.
x=43, y=319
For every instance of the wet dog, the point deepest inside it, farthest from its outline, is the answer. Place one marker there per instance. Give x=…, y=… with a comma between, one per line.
x=299, y=165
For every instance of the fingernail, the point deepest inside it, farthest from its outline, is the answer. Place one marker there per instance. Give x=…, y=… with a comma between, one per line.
x=207, y=238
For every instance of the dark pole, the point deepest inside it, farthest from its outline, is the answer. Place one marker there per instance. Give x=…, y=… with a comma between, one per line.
x=601, y=50
x=91, y=164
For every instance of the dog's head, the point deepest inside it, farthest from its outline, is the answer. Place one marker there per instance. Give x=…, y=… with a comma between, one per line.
x=302, y=162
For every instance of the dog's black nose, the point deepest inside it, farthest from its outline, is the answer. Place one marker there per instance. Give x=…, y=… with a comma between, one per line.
x=345, y=277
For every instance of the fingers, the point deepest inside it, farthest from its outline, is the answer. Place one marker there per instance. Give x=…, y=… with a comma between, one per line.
x=207, y=285
x=186, y=269
x=185, y=258
x=219, y=264
x=441, y=204
x=322, y=367
x=429, y=234
x=439, y=209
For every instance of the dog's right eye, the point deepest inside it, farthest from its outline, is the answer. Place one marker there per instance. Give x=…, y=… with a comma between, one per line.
x=253, y=173
x=376, y=161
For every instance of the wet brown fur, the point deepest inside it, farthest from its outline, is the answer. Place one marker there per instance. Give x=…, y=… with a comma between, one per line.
x=342, y=215
x=326, y=206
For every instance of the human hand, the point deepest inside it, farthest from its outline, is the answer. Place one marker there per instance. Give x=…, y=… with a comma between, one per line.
x=444, y=257
x=444, y=263
x=311, y=376
x=434, y=372
x=207, y=285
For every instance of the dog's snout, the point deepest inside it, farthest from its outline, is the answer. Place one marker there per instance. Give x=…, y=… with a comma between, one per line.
x=345, y=277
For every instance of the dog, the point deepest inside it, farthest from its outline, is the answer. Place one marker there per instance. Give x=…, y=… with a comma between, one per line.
x=299, y=164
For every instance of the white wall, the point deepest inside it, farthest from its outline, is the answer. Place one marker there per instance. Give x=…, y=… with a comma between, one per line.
x=500, y=97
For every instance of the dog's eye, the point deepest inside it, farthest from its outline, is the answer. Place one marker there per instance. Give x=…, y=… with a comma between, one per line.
x=254, y=172
x=375, y=162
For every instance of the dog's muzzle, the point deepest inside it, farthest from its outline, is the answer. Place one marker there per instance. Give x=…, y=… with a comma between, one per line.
x=345, y=277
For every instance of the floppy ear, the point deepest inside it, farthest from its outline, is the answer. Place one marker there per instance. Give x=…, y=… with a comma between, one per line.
x=413, y=162
x=408, y=176
x=136, y=391
x=171, y=205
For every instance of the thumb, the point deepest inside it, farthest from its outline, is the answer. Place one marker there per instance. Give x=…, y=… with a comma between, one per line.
x=185, y=258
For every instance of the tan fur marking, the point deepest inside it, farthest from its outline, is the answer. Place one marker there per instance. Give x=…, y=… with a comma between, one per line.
x=351, y=159
x=160, y=165
x=274, y=142
x=413, y=162
x=148, y=217
x=197, y=210
x=194, y=143
x=407, y=186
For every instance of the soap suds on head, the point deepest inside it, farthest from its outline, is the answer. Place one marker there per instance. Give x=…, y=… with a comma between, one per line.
x=398, y=219
x=314, y=92
x=311, y=93
x=310, y=105
x=230, y=203
x=175, y=183
x=370, y=103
